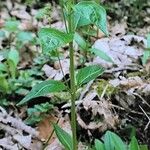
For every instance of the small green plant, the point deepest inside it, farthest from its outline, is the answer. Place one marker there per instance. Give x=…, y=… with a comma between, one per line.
x=38, y=112
x=77, y=16
x=8, y=69
x=112, y=141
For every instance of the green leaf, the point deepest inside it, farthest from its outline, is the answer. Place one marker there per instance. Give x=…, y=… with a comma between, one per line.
x=134, y=144
x=13, y=55
x=89, y=73
x=101, y=54
x=148, y=41
x=12, y=68
x=24, y=36
x=51, y=39
x=146, y=54
x=64, y=137
x=42, y=89
x=99, y=145
x=89, y=12
x=43, y=12
x=4, y=86
x=11, y=25
x=13, y=60
x=35, y=114
x=113, y=141
x=80, y=41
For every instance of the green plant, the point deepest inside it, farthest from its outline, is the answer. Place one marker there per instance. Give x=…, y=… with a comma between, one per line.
x=76, y=17
x=112, y=141
x=38, y=112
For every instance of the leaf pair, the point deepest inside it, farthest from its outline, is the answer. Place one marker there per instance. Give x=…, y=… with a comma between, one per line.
x=50, y=86
x=84, y=13
x=89, y=12
x=113, y=142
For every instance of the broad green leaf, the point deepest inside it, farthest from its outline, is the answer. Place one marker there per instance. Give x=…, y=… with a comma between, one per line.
x=101, y=54
x=89, y=73
x=4, y=86
x=24, y=36
x=89, y=12
x=134, y=144
x=64, y=137
x=146, y=54
x=42, y=89
x=13, y=55
x=80, y=41
x=51, y=39
x=99, y=145
x=11, y=25
x=113, y=141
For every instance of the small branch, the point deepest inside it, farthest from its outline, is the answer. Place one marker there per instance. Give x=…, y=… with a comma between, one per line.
x=146, y=127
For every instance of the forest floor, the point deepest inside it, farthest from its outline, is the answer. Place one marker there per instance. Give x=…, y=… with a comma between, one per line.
x=118, y=100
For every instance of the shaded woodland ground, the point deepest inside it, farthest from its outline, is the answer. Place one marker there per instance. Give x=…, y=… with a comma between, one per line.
x=118, y=100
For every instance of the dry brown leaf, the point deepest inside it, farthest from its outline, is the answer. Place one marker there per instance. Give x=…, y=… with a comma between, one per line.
x=120, y=50
x=25, y=141
x=22, y=14
x=45, y=127
x=119, y=29
x=101, y=108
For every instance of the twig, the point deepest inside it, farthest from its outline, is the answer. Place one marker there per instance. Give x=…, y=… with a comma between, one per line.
x=121, y=69
x=146, y=116
x=142, y=99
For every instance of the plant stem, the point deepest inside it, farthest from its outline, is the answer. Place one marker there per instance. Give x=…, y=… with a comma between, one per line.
x=72, y=77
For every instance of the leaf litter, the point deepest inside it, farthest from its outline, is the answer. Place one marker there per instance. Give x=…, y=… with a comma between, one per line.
x=96, y=111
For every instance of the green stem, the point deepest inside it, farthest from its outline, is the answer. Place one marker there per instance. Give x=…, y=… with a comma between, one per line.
x=63, y=13
x=72, y=77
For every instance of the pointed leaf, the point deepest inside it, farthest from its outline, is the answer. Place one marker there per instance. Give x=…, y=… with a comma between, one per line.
x=80, y=41
x=89, y=73
x=51, y=39
x=146, y=54
x=99, y=145
x=13, y=55
x=101, y=54
x=42, y=89
x=113, y=141
x=64, y=137
x=134, y=144
x=89, y=12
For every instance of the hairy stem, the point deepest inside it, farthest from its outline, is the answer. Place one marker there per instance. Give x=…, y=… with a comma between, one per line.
x=72, y=77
